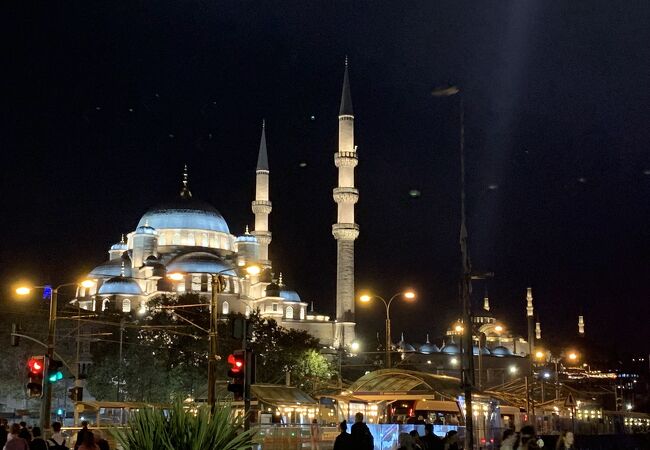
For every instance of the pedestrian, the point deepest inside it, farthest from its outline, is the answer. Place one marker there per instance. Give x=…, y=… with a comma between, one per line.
x=57, y=441
x=451, y=440
x=88, y=442
x=343, y=440
x=510, y=440
x=417, y=443
x=430, y=440
x=101, y=442
x=315, y=435
x=361, y=435
x=527, y=439
x=405, y=442
x=24, y=432
x=37, y=443
x=80, y=435
x=14, y=441
x=4, y=432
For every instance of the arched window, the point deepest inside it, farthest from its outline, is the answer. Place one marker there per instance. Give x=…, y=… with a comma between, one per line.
x=105, y=304
x=176, y=240
x=289, y=312
x=126, y=305
x=302, y=313
x=205, y=242
x=225, y=308
x=190, y=240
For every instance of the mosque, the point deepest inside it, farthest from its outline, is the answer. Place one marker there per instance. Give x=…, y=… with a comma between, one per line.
x=179, y=246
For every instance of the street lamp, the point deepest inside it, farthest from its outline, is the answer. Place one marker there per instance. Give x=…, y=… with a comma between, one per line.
x=216, y=285
x=46, y=404
x=409, y=295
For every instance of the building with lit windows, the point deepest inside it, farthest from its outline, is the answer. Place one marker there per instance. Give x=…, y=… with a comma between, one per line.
x=179, y=246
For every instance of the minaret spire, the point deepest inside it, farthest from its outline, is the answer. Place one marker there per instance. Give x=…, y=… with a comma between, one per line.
x=486, y=301
x=185, y=190
x=345, y=231
x=261, y=206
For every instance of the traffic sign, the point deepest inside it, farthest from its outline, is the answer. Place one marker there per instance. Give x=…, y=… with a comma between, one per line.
x=569, y=402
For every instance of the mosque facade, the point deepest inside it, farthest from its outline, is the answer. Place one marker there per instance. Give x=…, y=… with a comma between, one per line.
x=178, y=247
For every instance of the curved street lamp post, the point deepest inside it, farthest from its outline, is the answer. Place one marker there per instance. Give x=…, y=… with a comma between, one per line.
x=368, y=297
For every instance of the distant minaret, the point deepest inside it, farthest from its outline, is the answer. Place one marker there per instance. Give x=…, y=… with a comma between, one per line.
x=261, y=206
x=538, y=330
x=345, y=231
x=486, y=301
x=530, y=319
x=581, y=325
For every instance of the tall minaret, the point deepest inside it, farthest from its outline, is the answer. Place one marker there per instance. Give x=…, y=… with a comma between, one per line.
x=345, y=231
x=581, y=325
x=261, y=206
x=531, y=319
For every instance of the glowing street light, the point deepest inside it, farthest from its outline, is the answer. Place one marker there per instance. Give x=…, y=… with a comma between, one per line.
x=366, y=298
x=46, y=404
x=459, y=328
x=355, y=346
x=498, y=328
x=512, y=369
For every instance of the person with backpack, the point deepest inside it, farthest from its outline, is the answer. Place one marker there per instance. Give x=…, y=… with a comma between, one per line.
x=361, y=436
x=57, y=441
x=37, y=443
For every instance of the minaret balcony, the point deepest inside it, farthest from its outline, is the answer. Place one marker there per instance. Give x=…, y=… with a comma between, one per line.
x=345, y=231
x=261, y=207
x=345, y=195
x=346, y=159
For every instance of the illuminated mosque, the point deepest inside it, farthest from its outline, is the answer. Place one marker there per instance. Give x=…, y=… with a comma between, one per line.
x=178, y=246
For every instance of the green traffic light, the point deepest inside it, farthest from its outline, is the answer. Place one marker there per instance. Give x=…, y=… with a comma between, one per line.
x=56, y=377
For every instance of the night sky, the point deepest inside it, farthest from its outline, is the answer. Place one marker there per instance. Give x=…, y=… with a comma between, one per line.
x=103, y=103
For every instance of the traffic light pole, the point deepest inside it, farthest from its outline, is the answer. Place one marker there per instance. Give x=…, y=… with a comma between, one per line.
x=212, y=359
x=248, y=369
x=46, y=403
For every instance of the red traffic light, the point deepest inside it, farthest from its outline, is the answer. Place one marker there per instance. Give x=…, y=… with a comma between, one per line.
x=36, y=365
x=237, y=363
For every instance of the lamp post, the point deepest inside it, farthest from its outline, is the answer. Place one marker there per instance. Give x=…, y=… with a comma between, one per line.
x=46, y=403
x=467, y=378
x=217, y=284
x=410, y=295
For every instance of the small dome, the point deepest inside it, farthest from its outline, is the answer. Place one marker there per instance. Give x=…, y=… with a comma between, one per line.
x=247, y=237
x=145, y=229
x=289, y=295
x=272, y=290
x=429, y=348
x=200, y=262
x=120, y=286
x=111, y=268
x=450, y=349
x=501, y=351
x=483, y=351
x=120, y=246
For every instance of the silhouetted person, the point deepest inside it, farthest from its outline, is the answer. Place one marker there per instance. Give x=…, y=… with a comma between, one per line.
x=343, y=440
x=14, y=441
x=430, y=440
x=4, y=432
x=57, y=440
x=81, y=434
x=24, y=432
x=37, y=443
x=361, y=436
x=88, y=442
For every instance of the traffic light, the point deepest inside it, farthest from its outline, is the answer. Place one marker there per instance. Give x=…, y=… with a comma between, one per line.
x=76, y=394
x=237, y=373
x=36, y=369
x=54, y=372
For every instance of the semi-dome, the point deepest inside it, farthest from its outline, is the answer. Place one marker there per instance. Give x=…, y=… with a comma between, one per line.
x=483, y=351
x=450, y=348
x=111, y=268
x=185, y=213
x=501, y=351
x=120, y=286
x=200, y=262
x=120, y=246
x=289, y=295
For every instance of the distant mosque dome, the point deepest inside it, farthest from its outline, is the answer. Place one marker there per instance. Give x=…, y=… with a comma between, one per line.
x=120, y=246
x=120, y=286
x=428, y=347
x=246, y=238
x=200, y=262
x=501, y=351
x=280, y=290
x=145, y=229
x=483, y=351
x=450, y=348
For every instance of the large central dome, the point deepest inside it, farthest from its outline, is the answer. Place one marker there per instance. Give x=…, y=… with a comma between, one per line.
x=185, y=213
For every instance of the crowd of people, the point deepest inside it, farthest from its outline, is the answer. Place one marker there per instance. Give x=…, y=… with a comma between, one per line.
x=360, y=438
x=19, y=436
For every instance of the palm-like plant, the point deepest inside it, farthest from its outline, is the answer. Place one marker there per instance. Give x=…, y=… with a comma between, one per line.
x=199, y=429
